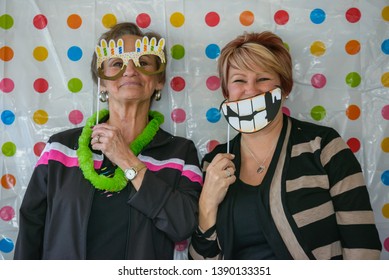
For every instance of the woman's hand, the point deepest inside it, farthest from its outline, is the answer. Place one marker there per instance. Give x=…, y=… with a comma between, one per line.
x=220, y=174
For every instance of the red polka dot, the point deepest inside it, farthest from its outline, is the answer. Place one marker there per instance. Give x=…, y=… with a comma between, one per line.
x=318, y=81
x=385, y=112
x=281, y=17
x=76, y=117
x=211, y=145
x=182, y=245
x=177, y=83
x=354, y=144
x=7, y=213
x=6, y=85
x=38, y=148
x=143, y=20
x=40, y=21
x=213, y=83
x=212, y=19
x=353, y=15
x=41, y=85
x=178, y=115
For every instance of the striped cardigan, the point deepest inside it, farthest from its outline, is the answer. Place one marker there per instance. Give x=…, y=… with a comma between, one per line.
x=316, y=205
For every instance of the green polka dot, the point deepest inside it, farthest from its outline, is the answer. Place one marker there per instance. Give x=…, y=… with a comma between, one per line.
x=353, y=79
x=318, y=113
x=75, y=85
x=8, y=149
x=6, y=21
x=178, y=51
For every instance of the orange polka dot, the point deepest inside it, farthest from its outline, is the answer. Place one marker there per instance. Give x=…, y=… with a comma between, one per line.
x=246, y=18
x=74, y=21
x=6, y=53
x=353, y=112
x=353, y=47
x=8, y=181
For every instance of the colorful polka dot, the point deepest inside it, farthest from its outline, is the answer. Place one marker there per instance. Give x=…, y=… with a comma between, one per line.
x=213, y=115
x=212, y=19
x=76, y=117
x=178, y=51
x=385, y=46
x=318, y=48
x=385, y=210
x=318, y=16
x=6, y=245
x=281, y=17
x=213, y=83
x=6, y=21
x=7, y=117
x=354, y=144
x=7, y=213
x=6, y=53
x=177, y=83
x=75, y=85
x=385, y=13
x=143, y=20
x=41, y=85
x=8, y=181
x=74, y=53
x=38, y=148
x=8, y=149
x=109, y=20
x=385, y=79
x=352, y=47
x=7, y=85
x=211, y=145
x=353, y=15
x=385, y=112
x=212, y=51
x=74, y=21
x=40, y=117
x=318, y=81
x=181, y=246
x=385, y=145
x=40, y=21
x=318, y=113
x=246, y=18
x=353, y=79
x=178, y=115
x=385, y=178
x=353, y=112
x=177, y=19
x=40, y=53
x=386, y=244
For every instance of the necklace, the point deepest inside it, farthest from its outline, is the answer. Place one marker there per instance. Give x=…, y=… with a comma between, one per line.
x=85, y=156
x=262, y=165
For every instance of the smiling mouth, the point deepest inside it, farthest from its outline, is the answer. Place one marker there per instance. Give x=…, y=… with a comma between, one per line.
x=251, y=114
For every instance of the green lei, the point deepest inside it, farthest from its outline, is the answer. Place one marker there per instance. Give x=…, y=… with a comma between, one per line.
x=85, y=155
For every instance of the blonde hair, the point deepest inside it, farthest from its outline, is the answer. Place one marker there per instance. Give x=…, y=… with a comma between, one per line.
x=250, y=50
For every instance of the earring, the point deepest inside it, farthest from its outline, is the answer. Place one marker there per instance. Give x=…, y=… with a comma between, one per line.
x=157, y=95
x=103, y=96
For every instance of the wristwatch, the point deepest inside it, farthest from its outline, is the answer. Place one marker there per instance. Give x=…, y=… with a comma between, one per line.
x=131, y=172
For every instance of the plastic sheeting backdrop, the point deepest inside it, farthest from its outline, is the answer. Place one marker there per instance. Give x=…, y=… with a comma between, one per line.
x=340, y=52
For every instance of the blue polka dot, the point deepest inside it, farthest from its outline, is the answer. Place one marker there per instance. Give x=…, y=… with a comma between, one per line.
x=385, y=46
x=212, y=51
x=6, y=245
x=318, y=16
x=385, y=178
x=213, y=115
x=7, y=117
x=74, y=53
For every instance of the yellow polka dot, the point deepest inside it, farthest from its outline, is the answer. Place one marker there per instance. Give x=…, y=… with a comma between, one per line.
x=385, y=79
x=385, y=210
x=40, y=117
x=40, y=53
x=318, y=48
x=385, y=145
x=177, y=19
x=109, y=20
x=385, y=13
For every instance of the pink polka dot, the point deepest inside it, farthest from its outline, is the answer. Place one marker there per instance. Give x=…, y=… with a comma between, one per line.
x=385, y=112
x=286, y=110
x=6, y=85
x=386, y=244
x=7, y=213
x=143, y=20
x=178, y=115
x=41, y=85
x=318, y=81
x=354, y=144
x=181, y=246
x=353, y=15
x=38, y=148
x=76, y=117
x=213, y=83
x=281, y=17
x=40, y=21
x=212, y=19
x=211, y=145
x=177, y=83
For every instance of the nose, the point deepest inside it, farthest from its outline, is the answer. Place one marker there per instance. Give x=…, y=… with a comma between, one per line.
x=251, y=88
x=130, y=69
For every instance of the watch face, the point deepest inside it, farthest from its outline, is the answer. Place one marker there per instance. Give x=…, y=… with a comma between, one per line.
x=130, y=173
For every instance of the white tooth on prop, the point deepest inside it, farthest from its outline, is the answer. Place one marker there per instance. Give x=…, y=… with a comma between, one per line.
x=234, y=107
x=224, y=108
x=276, y=93
x=259, y=103
x=245, y=108
x=247, y=126
x=259, y=120
x=234, y=122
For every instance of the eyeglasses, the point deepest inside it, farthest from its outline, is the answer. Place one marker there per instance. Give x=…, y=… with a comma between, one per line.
x=148, y=58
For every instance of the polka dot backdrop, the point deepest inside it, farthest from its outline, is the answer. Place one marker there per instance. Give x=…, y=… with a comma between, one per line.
x=340, y=56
